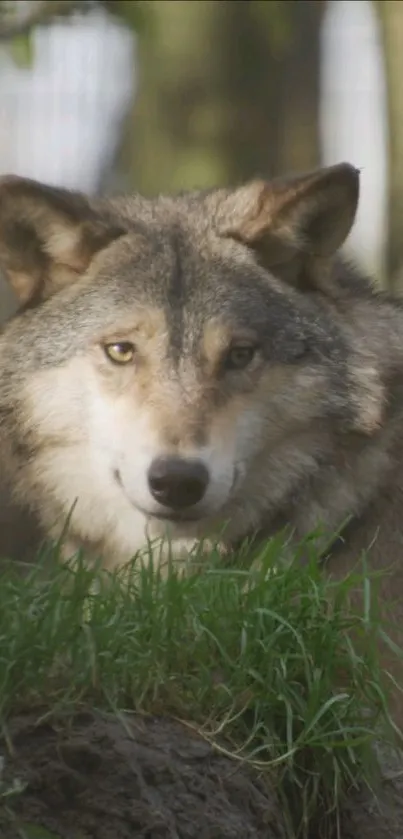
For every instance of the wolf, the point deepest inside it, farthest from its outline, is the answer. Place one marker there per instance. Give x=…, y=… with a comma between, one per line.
x=200, y=366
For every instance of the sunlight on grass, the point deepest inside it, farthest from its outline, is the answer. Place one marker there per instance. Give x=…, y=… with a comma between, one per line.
x=275, y=669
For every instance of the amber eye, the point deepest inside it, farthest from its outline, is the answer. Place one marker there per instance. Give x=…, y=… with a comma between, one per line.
x=122, y=352
x=239, y=357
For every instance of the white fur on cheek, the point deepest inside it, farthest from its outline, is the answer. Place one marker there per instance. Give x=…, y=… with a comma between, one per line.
x=229, y=452
x=78, y=431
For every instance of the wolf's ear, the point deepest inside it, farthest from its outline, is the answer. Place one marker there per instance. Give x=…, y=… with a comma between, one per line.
x=48, y=236
x=311, y=214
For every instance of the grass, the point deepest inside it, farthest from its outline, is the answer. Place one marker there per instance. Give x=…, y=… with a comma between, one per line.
x=269, y=663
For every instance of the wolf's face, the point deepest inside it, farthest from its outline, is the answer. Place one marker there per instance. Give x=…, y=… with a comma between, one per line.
x=169, y=350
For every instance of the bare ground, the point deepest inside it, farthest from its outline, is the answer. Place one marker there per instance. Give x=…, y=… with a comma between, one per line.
x=99, y=779
x=96, y=777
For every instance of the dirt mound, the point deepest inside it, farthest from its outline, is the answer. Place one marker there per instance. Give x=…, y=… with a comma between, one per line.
x=95, y=778
x=380, y=817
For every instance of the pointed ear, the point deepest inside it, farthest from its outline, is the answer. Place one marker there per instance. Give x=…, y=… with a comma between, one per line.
x=48, y=236
x=311, y=214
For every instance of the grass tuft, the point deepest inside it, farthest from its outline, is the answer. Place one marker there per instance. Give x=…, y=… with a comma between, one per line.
x=270, y=663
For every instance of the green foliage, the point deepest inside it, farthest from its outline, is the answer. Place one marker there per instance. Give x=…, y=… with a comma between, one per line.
x=137, y=14
x=22, y=50
x=276, y=16
x=134, y=13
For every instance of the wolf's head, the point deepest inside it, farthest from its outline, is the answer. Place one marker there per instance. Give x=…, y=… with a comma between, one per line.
x=166, y=349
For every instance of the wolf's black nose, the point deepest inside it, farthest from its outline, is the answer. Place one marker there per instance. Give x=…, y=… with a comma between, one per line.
x=176, y=482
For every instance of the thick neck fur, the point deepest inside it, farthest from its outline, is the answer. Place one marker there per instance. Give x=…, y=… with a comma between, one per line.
x=350, y=471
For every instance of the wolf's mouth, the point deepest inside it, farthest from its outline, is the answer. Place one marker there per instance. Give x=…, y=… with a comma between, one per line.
x=180, y=518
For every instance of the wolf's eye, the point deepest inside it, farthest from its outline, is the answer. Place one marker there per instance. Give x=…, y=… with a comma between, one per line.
x=239, y=357
x=120, y=353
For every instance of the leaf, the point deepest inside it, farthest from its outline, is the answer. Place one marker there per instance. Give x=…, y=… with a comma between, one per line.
x=22, y=50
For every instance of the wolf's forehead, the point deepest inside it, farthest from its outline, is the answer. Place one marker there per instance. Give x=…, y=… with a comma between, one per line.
x=167, y=267
x=187, y=314
x=162, y=261
x=182, y=285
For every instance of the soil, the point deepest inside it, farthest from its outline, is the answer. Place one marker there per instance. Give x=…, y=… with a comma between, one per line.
x=95, y=777
x=380, y=817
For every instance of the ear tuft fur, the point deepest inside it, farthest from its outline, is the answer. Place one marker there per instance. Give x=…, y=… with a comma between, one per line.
x=48, y=236
x=310, y=215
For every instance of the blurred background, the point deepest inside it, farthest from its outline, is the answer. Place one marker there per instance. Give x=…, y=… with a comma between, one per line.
x=159, y=95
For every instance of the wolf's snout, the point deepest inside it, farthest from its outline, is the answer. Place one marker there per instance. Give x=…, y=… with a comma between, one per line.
x=176, y=482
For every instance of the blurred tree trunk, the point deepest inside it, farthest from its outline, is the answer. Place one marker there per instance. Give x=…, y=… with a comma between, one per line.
x=227, y=89
x=390, y=14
